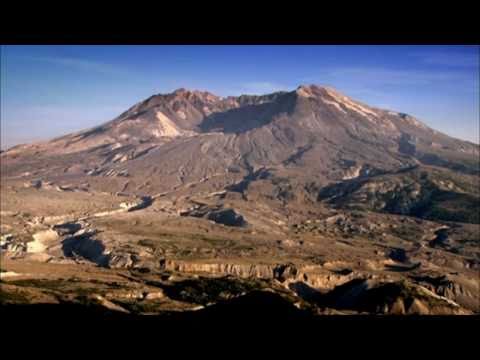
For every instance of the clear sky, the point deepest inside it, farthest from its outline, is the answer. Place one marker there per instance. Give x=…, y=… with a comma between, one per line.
x=47, y=91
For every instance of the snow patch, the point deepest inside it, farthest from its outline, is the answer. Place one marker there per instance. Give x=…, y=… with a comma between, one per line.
x=167, y=127
x=334, y=104
x=354, y=106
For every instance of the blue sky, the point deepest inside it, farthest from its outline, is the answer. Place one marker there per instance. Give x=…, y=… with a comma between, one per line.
x=48, y=91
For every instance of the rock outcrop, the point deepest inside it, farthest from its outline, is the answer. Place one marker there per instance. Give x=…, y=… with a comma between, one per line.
x=219, y=215
x=315, y=276
x=396, y=298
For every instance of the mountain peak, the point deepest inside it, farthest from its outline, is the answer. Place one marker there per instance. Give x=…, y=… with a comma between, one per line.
x=268, y=129
x=308, y=86
x=306, y=90
x=180, y=91
x=195, y=94
x=313, y=90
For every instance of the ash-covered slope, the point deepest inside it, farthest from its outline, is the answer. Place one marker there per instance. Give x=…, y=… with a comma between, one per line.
x=186, y=138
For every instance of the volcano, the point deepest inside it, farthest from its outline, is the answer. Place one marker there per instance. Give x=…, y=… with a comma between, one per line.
x=302, y=192
x=313, y=134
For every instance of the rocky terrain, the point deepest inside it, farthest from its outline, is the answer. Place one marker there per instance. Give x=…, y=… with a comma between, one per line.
x=189, y=204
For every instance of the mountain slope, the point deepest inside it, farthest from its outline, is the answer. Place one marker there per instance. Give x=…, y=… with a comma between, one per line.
x=313, y=133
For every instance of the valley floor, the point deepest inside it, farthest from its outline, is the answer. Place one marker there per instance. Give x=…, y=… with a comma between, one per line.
x=169, y=256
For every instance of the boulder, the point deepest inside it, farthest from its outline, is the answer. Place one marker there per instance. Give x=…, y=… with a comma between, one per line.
x=67, y=228
x=36, y=184
x=226, y=217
